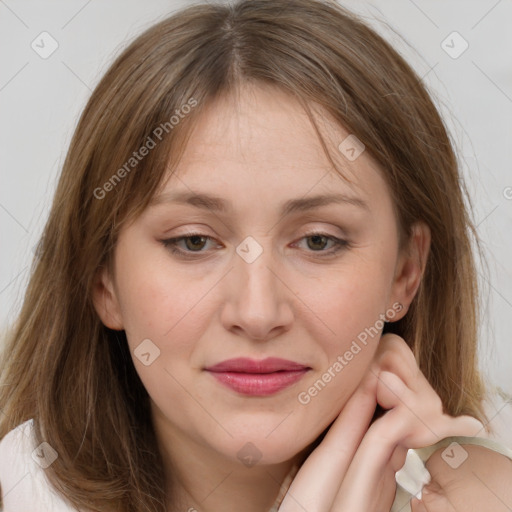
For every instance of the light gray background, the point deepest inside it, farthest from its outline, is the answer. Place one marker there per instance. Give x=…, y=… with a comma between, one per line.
x=41, y=99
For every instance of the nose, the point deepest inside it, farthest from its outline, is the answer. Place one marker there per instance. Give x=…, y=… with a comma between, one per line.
x=258, y=304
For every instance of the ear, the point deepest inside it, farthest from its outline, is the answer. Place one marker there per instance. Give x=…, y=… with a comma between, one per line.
x=105, y=300
x=410, y=267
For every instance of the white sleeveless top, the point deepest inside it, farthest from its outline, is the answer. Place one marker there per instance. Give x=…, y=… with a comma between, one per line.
x=26, y=489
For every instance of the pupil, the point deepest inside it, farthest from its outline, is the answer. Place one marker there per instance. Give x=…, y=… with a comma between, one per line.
x=195, y=240
x=317, y=238
x=199, y=240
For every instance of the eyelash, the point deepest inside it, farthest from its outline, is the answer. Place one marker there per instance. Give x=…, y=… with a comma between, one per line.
x=171, y=244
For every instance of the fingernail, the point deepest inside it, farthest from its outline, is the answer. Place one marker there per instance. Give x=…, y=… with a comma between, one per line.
x=431, y=488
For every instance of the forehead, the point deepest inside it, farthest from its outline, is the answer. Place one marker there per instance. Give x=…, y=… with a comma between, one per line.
x=259, y=142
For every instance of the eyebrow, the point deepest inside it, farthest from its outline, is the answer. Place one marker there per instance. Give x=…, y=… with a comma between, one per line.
x=217, y=204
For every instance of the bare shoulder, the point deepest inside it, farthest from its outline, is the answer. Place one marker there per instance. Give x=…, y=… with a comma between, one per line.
x=472, y=477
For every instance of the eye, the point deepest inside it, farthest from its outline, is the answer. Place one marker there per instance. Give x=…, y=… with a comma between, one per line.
x=317, y=241
x=194, y=243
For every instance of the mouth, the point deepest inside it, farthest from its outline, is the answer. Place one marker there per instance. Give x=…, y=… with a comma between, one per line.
x=258, y=378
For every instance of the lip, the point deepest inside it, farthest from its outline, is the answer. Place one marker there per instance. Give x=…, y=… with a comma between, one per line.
x=258, y=378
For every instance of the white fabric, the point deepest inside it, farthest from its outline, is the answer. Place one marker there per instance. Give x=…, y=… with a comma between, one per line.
x=498, y=408
x=24, y=484
x=414, y=475
x=26, y=489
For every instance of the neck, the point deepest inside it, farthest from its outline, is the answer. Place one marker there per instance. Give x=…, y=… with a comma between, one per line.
x=211, y=488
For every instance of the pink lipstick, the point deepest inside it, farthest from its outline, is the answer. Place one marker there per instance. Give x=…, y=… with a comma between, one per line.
x=258, y=378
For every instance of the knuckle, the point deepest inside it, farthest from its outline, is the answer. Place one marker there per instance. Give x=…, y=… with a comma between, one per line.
x=397, y=357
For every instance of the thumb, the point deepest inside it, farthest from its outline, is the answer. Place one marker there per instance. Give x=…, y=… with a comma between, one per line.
x=433, y=500
x=417, y=505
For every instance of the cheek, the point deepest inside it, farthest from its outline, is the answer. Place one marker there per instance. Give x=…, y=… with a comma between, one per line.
x=162, y=307
x=349, y=304
x=155, y=302
x=349, y=314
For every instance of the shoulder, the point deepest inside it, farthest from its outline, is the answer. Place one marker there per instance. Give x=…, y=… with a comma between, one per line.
x=15, y=449
x=459, y=457
x=498, y=408
x=473, y=475
x=468, y=469
x=22, y=479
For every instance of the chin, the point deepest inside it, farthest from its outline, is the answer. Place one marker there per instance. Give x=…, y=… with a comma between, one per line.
x=266, y=446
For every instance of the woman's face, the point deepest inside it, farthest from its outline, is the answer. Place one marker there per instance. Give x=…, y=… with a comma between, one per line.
x=262, y=278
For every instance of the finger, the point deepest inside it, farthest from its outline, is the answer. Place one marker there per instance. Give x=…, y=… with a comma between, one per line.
x=378, y=454
x=366, y=489
x=318, y=480
x=414, y=409
x=459, y=426
x=417, y=506
x=382, y=492
x=385, y=444
x=397, y=358
x=394, y=355
x=381, y=496
x=397, y=460
x=391, y=390
x=435, y=500
x=422, y=420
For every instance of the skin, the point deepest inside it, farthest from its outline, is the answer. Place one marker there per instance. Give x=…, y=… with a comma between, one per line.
x=486, y=476
x=258, y=152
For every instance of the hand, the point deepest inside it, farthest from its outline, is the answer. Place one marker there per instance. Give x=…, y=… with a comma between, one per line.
x=353, y=468
x=485, y=476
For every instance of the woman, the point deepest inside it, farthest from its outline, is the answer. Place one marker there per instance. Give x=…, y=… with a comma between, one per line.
x=253, y=374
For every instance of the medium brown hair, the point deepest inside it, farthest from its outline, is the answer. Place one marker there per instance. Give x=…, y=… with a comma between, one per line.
x=74, y=376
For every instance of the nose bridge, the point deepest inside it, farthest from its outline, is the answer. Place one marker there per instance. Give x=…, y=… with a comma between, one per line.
x=259, y=302
x=257, y=281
